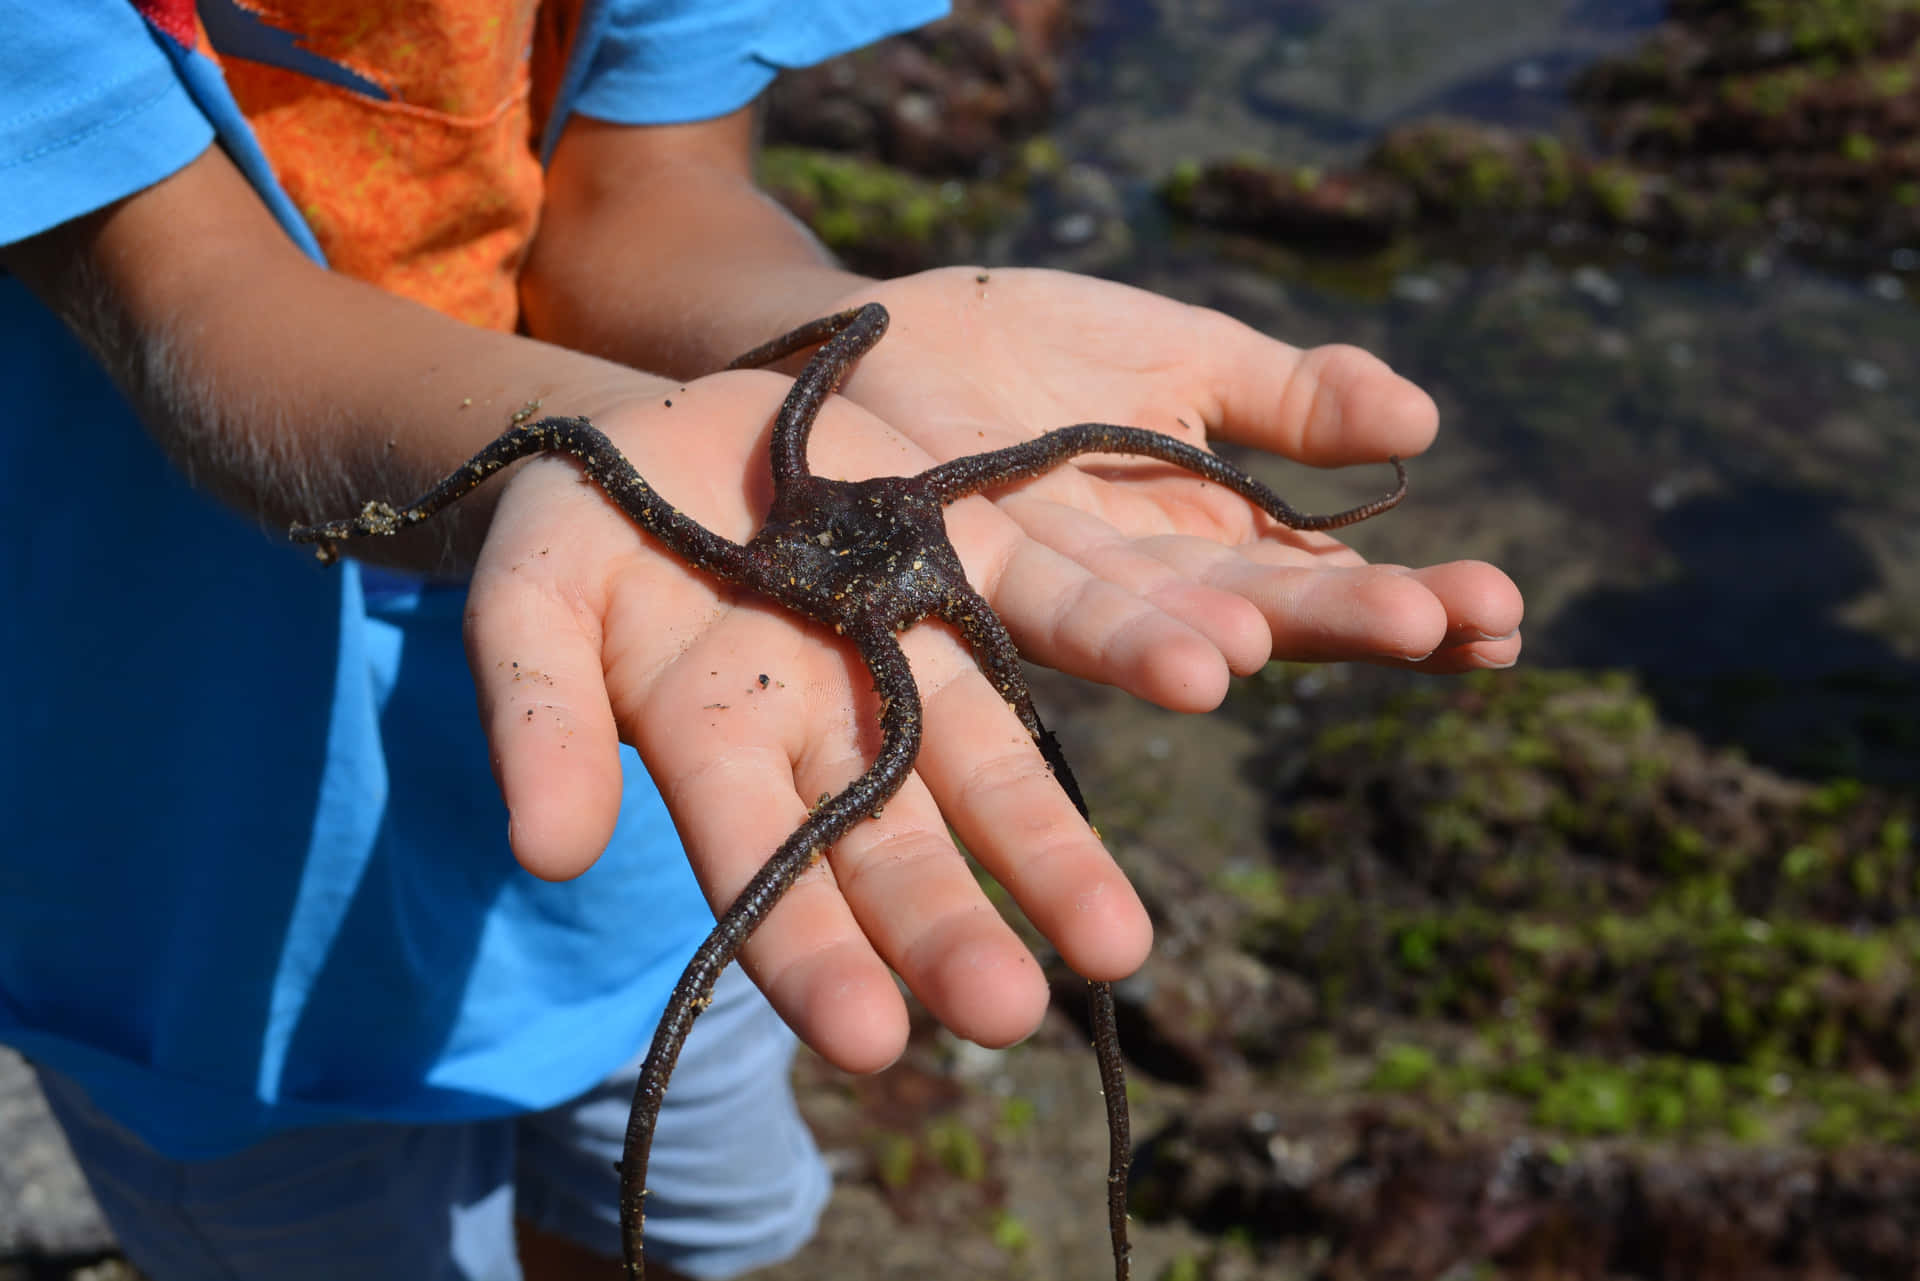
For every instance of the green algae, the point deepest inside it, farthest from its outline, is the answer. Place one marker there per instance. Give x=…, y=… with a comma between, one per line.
x=1834, y=28
x=1644, y=936
x=957, y=1149
x=876, y=213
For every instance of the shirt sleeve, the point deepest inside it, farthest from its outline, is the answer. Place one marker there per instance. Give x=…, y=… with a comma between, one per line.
x=674, y=61
x=92, y=111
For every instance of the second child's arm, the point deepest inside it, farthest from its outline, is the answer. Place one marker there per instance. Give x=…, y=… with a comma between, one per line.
x=291, y=391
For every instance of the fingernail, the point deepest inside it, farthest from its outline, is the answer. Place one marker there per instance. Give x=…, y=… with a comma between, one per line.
x=1477, y=634
x=1493, y=664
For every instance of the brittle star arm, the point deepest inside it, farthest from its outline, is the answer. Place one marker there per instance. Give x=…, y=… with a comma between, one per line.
x=899, y=745
x=798, y=340
x=977, y=472
x=994, y=650
x=604, y=465
x=844, y=336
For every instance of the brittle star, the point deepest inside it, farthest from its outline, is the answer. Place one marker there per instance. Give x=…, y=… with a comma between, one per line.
x=869, y=559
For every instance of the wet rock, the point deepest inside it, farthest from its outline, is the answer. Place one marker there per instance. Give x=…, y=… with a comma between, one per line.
x=1462, y=171
x=926, y=149
x=948, y=99
x=1393, y=1195
x=1737, y=125
x=879, y=219
x=1354, y=209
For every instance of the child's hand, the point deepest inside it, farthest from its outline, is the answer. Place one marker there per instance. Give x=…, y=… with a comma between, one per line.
x=583, y=630
x=972, y=364
x=1166, y=584
x=1155, y=582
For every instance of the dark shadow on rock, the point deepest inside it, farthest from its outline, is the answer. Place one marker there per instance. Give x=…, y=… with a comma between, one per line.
x=1744, y=643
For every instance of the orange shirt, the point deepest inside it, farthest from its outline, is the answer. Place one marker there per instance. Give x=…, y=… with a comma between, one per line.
x=405, y=131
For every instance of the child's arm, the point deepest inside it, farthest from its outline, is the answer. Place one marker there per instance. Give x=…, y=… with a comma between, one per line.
x=288, y=390
x=625, y=205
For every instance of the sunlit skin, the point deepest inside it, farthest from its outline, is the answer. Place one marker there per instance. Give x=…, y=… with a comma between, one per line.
x=867, y=559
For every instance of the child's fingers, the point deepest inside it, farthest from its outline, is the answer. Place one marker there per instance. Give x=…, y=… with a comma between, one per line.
x=1482, y=603
x=543, y=703
x=1367, y=613
x=1328, y=406
x=1065, y=617
x=1006, y=805
x=720, y=729
x=915, y=896
x=734, y=804
x=1140, y=563
x=1484, y=610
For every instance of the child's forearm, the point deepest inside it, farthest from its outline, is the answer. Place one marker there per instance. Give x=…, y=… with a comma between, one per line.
x=289, y=391
x=656, y=249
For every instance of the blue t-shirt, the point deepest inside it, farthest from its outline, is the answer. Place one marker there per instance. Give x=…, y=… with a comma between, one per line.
x=255, y=872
